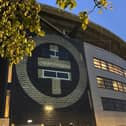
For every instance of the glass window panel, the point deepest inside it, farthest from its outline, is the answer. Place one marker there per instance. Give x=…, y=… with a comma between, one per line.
x=46, y=52
x=107, y=105
x=125, y=73
x=115, y=85
x=118, y=106
x=100, y=82
x=110, y=104
x=100, y=64
x=120, y=86
x=97, y=63
x=62, y=75
x=124, y=87
x=49, y=74
x=118, y=70
x=99, y=79
x=111, y=67
x=57, y=54
x=111, y=84
x=96, y=60
x=103, y=65
x=52, y=53
x=108, y=84
x=121, y=73
x=63, y=54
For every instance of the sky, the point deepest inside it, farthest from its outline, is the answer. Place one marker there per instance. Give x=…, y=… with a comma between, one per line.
x=113, y=20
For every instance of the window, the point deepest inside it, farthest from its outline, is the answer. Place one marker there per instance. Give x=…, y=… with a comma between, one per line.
x=54, y=53
x=49, y=73
x=62, y=75
x=107, y=83
x=125, y=73
x=120, y=86
x=104, y=65
x=100, y=82
x=97, y=63
x=115, y=85
x=110, y=104
x=57, y=54
x=53, y=74
x=119, y=71
x=124, y=87
x=111, y=68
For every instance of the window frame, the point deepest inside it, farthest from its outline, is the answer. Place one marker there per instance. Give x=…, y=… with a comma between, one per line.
x=56, y=72
x=108, y=66
x=111, y=84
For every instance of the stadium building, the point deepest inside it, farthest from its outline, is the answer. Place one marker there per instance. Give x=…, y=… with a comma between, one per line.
x=74, y=77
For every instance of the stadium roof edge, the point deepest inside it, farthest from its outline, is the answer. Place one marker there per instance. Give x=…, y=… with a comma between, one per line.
x=99, y=29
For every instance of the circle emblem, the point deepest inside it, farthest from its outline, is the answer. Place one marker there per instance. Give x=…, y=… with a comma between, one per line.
x=57, y=100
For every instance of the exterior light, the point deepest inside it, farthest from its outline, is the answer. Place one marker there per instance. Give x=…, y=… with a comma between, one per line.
x=49, y=108
x=12, y=124
x=70, y=124
x=29, y=121
x=42, y=124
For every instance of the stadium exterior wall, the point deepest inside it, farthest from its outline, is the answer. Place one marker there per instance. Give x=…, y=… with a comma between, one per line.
x=74, y=77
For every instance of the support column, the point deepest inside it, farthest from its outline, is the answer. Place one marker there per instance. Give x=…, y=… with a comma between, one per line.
x=3, y=85
x=5, y=91
x=8, y=92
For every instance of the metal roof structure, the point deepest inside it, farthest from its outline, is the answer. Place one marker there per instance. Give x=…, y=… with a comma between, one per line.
x=70, y=25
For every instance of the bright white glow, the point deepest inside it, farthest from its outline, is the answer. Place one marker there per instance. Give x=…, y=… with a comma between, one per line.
x=70, y=124
x=29, y=121
x=42, y=124
x=12, y=124
x=49, y=108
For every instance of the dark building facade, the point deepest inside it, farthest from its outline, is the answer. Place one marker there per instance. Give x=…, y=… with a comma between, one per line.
x=55, y=76
x=74, y=77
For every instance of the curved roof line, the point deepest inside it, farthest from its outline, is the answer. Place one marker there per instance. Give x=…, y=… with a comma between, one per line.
x=71, y=16
x=118, y=46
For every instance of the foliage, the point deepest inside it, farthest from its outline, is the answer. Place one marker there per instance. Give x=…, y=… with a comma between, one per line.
x=100, y=4
x=18, y=18
x=66, y=3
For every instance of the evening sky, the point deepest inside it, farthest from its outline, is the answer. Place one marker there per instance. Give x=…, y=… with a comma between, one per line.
x=114, y=20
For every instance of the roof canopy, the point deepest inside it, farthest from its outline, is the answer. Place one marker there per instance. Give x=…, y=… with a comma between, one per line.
x=71, y=25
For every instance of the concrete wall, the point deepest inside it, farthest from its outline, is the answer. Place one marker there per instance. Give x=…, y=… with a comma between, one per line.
x=104, y=118
x=32, y=92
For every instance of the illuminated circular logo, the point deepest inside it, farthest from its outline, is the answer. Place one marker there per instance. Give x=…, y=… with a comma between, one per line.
x=55, y=74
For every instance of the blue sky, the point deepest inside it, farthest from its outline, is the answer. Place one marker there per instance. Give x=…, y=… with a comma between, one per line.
x=113, y=20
